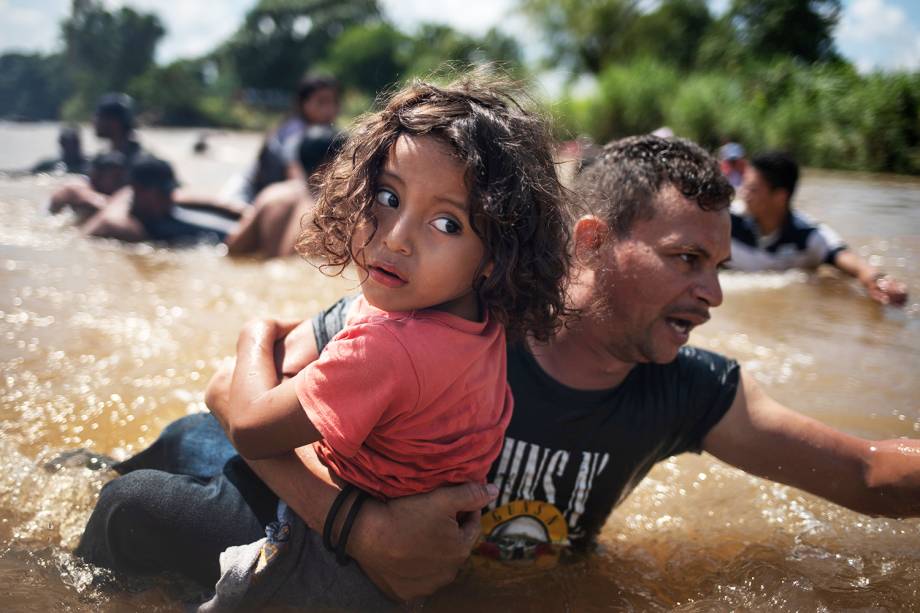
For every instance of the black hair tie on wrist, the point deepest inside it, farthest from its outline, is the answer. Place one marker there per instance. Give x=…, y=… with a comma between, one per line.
x=333, y=512
x=340, y=555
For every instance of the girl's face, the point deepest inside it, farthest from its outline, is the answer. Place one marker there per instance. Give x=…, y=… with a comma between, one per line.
x=424, y=253
x=322, y=107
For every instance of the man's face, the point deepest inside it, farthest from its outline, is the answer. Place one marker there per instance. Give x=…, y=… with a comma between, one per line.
x=759, y=196
x=104, y=125
x=107, y=180
x=657, y=283
x=322, y=107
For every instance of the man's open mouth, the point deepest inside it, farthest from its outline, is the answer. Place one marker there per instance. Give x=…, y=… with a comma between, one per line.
x=683, y=326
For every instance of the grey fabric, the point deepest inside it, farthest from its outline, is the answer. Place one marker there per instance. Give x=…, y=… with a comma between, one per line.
x=291, y=567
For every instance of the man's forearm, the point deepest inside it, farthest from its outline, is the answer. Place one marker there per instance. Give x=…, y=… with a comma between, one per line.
x=851, y=264
x=309, y=492
x=893, y=478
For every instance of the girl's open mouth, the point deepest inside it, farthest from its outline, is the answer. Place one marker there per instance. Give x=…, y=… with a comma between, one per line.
x=385, y=276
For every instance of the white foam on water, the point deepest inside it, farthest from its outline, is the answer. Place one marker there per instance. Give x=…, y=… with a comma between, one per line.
x=740, y=282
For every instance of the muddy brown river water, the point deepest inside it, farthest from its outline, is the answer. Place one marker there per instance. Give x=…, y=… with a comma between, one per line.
x=104, y=344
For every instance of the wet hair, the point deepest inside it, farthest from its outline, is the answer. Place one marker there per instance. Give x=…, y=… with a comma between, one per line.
x=69, y=135
x=311, y=84
x=118, y=106
x=150, y=172
x=515, y=197
x=109, y=160
x=778, y=169
x=621, y=183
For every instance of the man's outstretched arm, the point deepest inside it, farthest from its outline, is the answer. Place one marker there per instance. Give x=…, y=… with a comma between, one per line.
x=880, y=287
x=764, y=438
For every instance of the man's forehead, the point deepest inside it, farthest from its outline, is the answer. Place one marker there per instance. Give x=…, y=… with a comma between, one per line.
x=680, y=221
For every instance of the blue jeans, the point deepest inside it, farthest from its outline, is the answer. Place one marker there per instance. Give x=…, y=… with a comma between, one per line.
x=178, y=505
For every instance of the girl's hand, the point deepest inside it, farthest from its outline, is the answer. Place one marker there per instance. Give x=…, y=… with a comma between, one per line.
x=264, y=332
x=296, y=349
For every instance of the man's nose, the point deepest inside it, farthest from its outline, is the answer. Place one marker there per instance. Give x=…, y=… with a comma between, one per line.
x=708, y=289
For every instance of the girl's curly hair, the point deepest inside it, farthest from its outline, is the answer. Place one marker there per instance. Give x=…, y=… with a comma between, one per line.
x=516, y=200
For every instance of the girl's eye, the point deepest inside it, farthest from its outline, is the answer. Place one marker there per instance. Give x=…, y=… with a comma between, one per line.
x=447, y=225
x=387, y=198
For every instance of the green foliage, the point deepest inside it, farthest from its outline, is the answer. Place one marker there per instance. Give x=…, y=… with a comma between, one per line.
x=672, y=33
x=172, y=95
x=434, y=46
x=106, y=50
x=704, y=109
x=368, y=57
x=584, y=35
x=802, y=29
x=630, y=100
x=32, y=86
x=280, y=40
x=826, y=114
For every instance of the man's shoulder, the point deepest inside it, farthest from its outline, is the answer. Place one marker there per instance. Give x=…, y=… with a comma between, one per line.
x=797, y=230
x=801, y=222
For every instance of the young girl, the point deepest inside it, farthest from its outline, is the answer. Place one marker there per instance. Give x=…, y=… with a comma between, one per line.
x=447, y=203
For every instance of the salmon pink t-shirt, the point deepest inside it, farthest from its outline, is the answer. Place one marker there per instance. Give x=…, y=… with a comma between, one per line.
x=408, y=401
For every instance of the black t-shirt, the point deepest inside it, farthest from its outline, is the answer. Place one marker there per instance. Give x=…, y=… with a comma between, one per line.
x=570, y=456
x=585, y=451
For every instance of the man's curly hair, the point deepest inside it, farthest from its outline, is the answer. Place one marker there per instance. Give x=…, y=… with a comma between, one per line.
x=516, y=200
x=621, y=182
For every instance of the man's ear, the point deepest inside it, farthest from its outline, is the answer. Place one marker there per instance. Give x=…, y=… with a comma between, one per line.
x=590, y=234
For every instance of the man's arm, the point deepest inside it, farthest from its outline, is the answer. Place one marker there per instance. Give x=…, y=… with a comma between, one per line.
x=104, y=224
x=231, y=209
x=80, y=197
x=409, y=547
x=762, y=437
x=880, y=287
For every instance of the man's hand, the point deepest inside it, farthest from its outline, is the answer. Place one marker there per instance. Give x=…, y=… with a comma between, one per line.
x=887, y=290
x=411, y=546
x=880, y=287
x=217, y=394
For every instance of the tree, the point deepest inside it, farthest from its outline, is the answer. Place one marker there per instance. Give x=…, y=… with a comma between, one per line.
x=32, y=86
x=803, y=29
x=368, y=57
x=672, y=33
x=435, y=45
x=172, y=94
x=106, y=50
x=280, y=40
x=584, y=35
